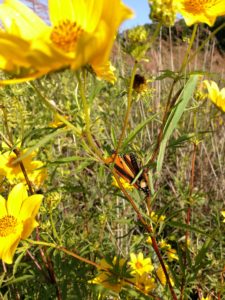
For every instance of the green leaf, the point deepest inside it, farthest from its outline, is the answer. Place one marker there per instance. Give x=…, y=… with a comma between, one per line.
x=167, y=74
x=19, y=279
x=175, y=116
x=65, y=160
x=201, y=254
x=41, y=143
x=134, y=132
x=186, y=227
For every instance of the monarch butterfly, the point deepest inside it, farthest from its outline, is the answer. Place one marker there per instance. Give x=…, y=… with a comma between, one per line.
x=126, y=166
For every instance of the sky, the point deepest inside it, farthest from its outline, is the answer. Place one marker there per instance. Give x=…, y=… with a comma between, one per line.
x=141, y=9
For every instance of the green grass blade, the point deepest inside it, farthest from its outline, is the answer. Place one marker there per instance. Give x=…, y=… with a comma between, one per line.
x=175, y=116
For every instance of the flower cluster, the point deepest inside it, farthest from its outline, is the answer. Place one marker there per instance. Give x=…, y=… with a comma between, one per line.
x=163, y=11
x=110, y=275
x=169, y=251
x=124, y=183
x=142, y=269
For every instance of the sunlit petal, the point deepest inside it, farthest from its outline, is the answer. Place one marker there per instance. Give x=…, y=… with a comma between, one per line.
x=15, y=199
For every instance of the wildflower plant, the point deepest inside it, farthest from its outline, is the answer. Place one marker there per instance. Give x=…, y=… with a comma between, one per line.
x=72, y=121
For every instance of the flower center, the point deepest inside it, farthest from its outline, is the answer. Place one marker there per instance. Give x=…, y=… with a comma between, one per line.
x=138, y=265
x=7, y=226
x=65, y=35
x=198, y=6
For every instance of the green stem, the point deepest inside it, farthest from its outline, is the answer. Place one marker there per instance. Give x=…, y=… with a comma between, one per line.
x=129, y=102
x=130, y=90
x=54, y=110
x=206, y=41
x=40, y=243
x=86, y=109
x=187, y=54
x=155, y=34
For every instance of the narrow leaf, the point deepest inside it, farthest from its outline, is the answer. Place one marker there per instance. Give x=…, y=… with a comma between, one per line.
x=175, y=116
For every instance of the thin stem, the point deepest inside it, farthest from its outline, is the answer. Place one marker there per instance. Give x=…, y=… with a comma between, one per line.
x=188, y=52
x=188, y=216
x=8, y=132
x=129, y=102
x=206, y=41
x=23, y=169
x=87, y=261
x=55, y=111
x=130, y=90
x=86, y=109
x=155, y=34
x=149, y=230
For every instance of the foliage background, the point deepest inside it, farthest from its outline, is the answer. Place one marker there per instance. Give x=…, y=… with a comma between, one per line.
x=82, y=210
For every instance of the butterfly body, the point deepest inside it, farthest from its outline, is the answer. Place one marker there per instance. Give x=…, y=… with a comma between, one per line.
x=126, y=166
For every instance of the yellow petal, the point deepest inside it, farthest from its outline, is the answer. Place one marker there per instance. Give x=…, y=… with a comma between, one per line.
x=14, y=49
x=22, y=21
x=113, y=14
x=200, y=11
x=15, y=200
x=3, y=211
x=22, y=79
x=105, y=71
x=133, y=257
x=30, y=207
x=8, y=247
x=61, y=10
x=140, y=256
x=201, y=18
x=28, y=227
x=218, y=9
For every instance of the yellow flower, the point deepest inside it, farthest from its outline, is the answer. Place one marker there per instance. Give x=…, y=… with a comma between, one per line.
x=171, y=253
x=162, y=277
x=108, y=279
x=145, y=283
x=140, y=84
x=81, y=32
x=17, y=220
x=205, y=298
x=200, y=11
x=105, y=71
x=223, y=214
x=215, y=95
x=125, y=184
x=108, y=282
x=57, y=122
x=149, y=240
x=13, y=172
x=139, y=264
x=155, y=218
